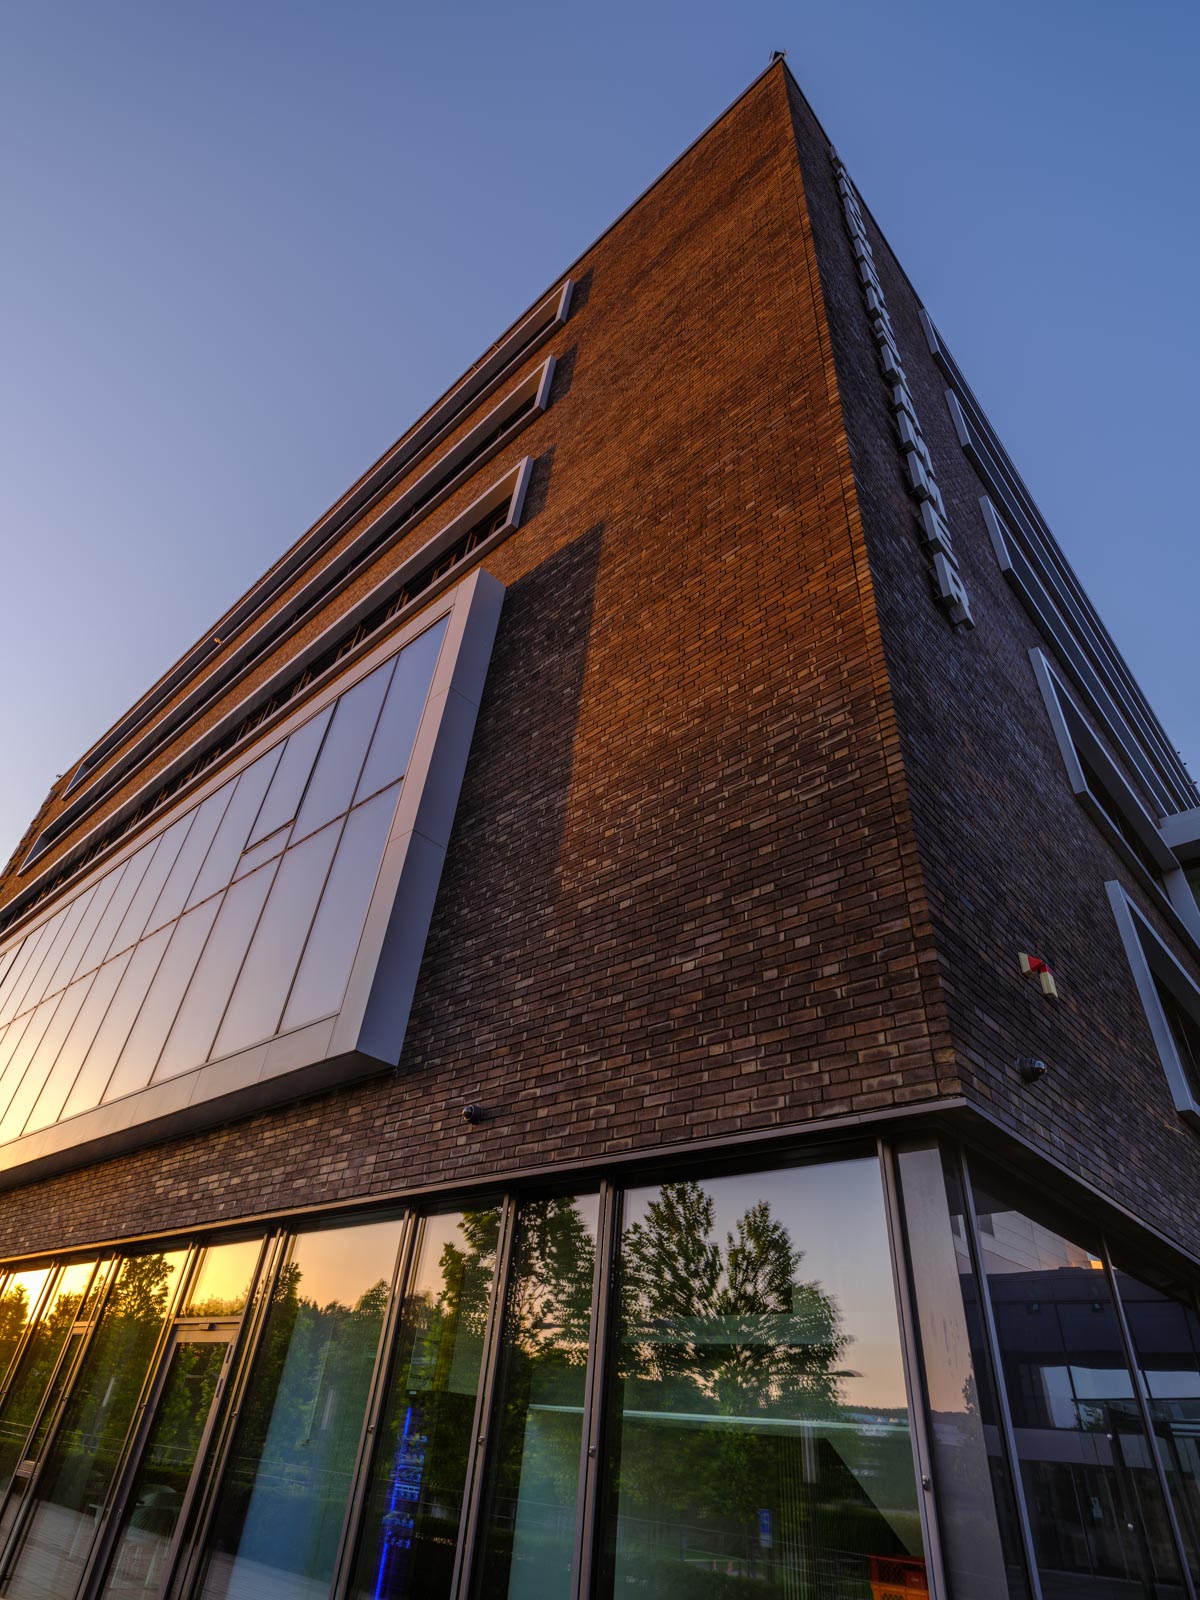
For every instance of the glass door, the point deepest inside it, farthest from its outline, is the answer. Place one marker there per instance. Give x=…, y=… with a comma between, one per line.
x=163, y=1476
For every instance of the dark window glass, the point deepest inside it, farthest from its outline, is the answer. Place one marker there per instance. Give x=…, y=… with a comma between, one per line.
x=759, y=1432
x=1096, y=1512
x=1185, y=1031
x=1165, y=1332
x=976, y=1495
x=409, y=1530
x=156, y=1497
x=86, y=1449
x=537, y=1436
x=286, y=1486
x=1116, y=814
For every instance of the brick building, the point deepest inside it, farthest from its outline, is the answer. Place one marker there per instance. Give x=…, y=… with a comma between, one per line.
x=545, y=1057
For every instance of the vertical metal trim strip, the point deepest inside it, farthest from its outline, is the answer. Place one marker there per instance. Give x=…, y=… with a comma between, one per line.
x=464, y=1555
x=9, y=1549
x=913, y=1375
x=271, y=1263
x=1140, y=1390
x=1007, y=1432
x=385, y=1355
x=595, y=1396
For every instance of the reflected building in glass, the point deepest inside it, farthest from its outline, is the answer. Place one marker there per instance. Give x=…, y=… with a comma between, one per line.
x=625, y=1023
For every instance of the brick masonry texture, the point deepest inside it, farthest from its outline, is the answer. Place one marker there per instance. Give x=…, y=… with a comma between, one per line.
x=683, y=897
x=1010, y=859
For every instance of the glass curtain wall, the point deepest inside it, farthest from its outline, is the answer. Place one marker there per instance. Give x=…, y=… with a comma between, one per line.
x=286, y=1485
x=70, y=1493
x=206, y=1428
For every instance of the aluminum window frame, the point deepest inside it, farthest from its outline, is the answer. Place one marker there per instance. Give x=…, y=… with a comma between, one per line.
x=1153, y=962
x=1078, y=742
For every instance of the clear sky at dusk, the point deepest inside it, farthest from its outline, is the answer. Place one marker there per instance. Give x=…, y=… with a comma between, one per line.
x=246, y=245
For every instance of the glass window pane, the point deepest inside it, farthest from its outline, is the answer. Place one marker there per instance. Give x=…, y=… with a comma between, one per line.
x=528, y=1532
x=98, y=902
x=75, y=1047
x=190, y=858
x=63, y=927
x=222, y=1286
x=387, y=760
x=1096, y=1513
x=266, y=976
x=128, y=876
x=759, y=1424
x=133, y=923
x=8, y=989
x=56, y=1097
x=18, y=1302
x=291, y=775
x=977, y=1512
x=118, y=1020
x=262, y=852
x=230, y=837
x=1165, y=1332
x=425, y=1437
x=31, y=1085
x=86, y=1448
x=280, y=1510
x=191, y=1037
x=33, y=1449
x=336, y=774
x=19, y=1061
x=137, y=1059
x=332, y=944
x=23, y=1398
x=156, y=1496
x=64, y=959
x=32, y=983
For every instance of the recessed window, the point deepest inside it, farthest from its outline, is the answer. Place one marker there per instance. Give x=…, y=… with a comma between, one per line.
x=1170, y=997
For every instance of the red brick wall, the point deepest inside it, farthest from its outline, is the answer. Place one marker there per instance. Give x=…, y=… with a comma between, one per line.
x=681, y=898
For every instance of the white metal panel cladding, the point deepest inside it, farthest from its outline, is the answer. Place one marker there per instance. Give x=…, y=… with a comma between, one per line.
x=265, y=940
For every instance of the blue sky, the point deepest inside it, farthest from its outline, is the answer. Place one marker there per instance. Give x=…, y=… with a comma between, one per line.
x=247, y=244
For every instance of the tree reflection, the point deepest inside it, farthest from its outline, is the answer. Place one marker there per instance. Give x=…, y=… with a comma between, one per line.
x=730, y=1328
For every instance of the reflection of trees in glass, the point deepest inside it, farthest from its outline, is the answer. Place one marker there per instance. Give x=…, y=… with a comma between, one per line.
x=286, y=1486
x=14, y=1314
x=738, y=1464
x=410, y=1525
x=87, y=1446
x=534, y=1459
x=734, y=1328
x=36, y=1368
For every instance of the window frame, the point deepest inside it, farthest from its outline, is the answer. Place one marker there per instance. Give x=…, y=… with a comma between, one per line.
x=1152, y=962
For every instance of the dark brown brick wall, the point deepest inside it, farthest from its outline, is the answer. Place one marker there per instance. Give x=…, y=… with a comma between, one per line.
x=682, y=897
x=1011, y=860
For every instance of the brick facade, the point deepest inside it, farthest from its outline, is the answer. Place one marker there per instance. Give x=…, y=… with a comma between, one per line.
x=745, y=840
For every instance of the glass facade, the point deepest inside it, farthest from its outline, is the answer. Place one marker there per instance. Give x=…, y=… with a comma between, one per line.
x=881, y=1374
x=232, y=924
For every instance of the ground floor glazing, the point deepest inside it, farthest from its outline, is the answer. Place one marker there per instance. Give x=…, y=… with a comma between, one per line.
x=880, y=1372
